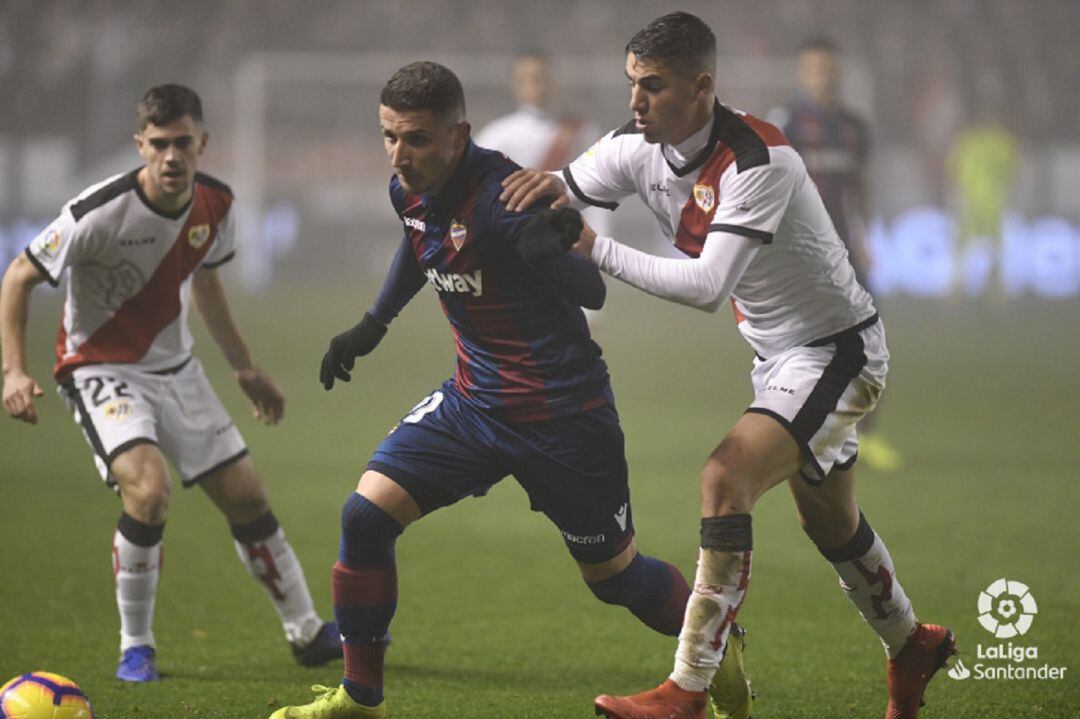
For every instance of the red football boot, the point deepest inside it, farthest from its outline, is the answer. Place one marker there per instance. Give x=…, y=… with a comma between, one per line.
x=666, y=701
x=927, y=650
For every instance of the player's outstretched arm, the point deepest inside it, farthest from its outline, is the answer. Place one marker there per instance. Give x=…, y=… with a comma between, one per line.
x=524, y=188
x=354, y=342
x=267, y=402
x=402, y=283
x=703, y=283
x=19, y=387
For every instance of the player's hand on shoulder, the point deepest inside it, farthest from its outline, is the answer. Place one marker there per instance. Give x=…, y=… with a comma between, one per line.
x=524, y=188
x=346, y=347
x=549, y=233
x=19, y=392
x=267, y=402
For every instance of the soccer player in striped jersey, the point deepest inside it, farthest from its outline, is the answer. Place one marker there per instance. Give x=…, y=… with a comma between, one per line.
x=730, y=192
x=134, y=249
x=530, y=398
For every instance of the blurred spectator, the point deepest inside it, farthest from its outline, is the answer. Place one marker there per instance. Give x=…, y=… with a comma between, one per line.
x=982, y=163
x=835, y=145
x=534, y=135
x=538, y=137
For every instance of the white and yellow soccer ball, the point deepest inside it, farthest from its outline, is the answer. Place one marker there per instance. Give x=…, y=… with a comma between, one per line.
x=43, y=695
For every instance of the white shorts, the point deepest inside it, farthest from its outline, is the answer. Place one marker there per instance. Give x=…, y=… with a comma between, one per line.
x=119, y=406
x=819, y=393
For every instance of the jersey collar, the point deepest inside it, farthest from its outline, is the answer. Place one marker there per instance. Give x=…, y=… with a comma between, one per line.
x=457, y=186
x=152, y=207
x=706, y=152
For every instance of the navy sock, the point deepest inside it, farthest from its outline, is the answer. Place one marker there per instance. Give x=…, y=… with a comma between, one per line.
x=653, y=590
x=365, y=594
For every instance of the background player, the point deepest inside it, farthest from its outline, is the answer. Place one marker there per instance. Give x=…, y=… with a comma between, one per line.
x=531, y=396
x=536, y=136
x=834, y=143
x=134, y=249
x=742, y=208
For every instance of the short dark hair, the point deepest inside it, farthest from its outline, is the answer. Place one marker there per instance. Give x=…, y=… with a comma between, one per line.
x=678, y=39
x=819, y=43
x=167, y=103
x=424, y=86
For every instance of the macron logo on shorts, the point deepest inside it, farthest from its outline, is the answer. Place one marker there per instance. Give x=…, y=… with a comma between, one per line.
x=454, y=282
x=620, y=517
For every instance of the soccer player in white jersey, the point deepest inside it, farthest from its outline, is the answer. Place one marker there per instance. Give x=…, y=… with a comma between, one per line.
x=535, y=136
x=134, y=249
x=730, y=192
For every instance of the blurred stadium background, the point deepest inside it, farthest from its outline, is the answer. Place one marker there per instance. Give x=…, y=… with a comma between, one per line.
x=291, y=89
x=983, y=394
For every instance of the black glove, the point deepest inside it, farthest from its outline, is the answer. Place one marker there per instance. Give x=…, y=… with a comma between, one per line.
x=347, y=346
x=549, y=233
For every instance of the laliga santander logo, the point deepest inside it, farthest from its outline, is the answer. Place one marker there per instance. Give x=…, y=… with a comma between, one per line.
x=1007, y=608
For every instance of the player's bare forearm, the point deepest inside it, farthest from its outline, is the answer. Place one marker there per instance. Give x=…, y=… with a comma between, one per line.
x=524, y=188
x=209, y=294
x=19, y=387
x=268, y=404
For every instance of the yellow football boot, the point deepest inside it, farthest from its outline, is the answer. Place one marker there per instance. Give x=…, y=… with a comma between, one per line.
x=878, y=453
x=331, y=703
x=730, y=693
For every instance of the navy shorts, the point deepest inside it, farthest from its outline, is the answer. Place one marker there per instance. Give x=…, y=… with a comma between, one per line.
x=573, y=468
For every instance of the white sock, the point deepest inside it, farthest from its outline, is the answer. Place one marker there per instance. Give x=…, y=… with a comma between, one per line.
x=136, y=570
x=868, y=577
x=719, y=588
x=273, y=562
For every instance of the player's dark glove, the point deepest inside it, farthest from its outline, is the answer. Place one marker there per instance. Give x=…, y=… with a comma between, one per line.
x=549, y=233
x=347, y=346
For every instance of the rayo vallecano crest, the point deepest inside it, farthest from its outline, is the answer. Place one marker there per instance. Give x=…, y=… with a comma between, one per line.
x=198, y=235
x=705, y=197
x=458, y=232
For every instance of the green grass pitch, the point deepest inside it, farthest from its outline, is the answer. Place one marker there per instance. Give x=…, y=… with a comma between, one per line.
x=493, y=619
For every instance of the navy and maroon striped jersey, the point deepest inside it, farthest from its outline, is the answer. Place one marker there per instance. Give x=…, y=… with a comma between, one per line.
x=523, y=345
x=835, y=146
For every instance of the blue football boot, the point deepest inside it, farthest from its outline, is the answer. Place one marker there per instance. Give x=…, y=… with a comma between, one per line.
x=138, y=664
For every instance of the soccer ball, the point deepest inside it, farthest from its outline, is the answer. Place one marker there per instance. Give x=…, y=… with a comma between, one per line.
x=43, y=695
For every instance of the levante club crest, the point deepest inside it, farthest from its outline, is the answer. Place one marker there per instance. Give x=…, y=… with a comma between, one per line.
x=458, y=232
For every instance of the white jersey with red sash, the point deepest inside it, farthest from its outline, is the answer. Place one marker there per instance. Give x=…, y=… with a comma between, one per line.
x=129, y=270
x=748, y=181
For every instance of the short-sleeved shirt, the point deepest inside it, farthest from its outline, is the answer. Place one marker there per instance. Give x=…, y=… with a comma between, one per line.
x=747, y=181
x=534, y=138
x=524, y=352
x=835, y=146
x=129, y=269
